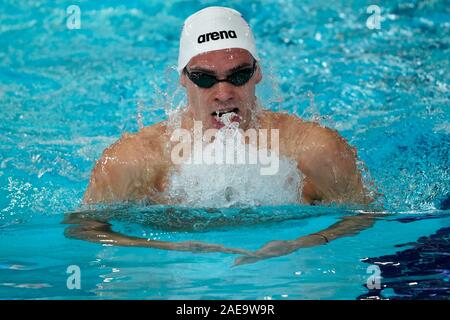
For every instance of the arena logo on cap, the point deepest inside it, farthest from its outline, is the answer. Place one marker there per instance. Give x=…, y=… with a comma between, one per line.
x=217, y=35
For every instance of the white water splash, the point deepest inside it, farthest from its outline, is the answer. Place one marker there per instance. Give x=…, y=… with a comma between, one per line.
x=221, y=184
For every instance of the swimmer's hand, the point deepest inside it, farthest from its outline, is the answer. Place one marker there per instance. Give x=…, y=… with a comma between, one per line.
x=279, y=248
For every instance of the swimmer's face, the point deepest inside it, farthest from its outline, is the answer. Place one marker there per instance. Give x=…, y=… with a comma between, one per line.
x=205, y=103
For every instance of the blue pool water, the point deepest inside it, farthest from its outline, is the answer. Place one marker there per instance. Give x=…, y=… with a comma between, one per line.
x=67, y=94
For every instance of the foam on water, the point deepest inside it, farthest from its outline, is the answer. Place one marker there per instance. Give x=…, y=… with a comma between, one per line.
x=218, y=182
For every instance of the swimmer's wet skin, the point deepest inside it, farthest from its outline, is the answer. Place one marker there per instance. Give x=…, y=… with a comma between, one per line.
x=220, y=76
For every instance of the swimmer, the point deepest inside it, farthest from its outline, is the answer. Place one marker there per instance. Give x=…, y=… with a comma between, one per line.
x=219, y=67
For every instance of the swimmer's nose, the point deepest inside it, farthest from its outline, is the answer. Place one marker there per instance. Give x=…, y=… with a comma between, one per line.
x=224, y=92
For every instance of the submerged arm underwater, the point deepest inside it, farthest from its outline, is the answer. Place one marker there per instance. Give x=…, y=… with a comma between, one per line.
x=348, y=226
x=93, y=230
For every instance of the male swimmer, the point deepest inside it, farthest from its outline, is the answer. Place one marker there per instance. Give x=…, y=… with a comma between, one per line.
x=219, y=68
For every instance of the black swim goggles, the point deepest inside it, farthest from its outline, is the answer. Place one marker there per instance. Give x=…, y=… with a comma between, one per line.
x=237, y=78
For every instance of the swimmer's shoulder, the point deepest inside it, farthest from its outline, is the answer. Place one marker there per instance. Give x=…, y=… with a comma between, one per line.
x=292, y=123
x=156, y=130
x=129, y=168
x=302, y=135
x=147, y=143
x=277, y=120
x=289, y=124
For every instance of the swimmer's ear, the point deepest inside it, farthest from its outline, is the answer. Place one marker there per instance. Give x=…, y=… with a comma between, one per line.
x=258, y=75
x=183, y=79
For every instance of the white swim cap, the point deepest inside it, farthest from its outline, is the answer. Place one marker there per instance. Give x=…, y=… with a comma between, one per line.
x=214, y=28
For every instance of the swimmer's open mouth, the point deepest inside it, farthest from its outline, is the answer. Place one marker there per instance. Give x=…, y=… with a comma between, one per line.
x=220, y=113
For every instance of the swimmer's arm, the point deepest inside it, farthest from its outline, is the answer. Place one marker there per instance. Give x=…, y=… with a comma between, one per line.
x=101, y=232
x=348, y=226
